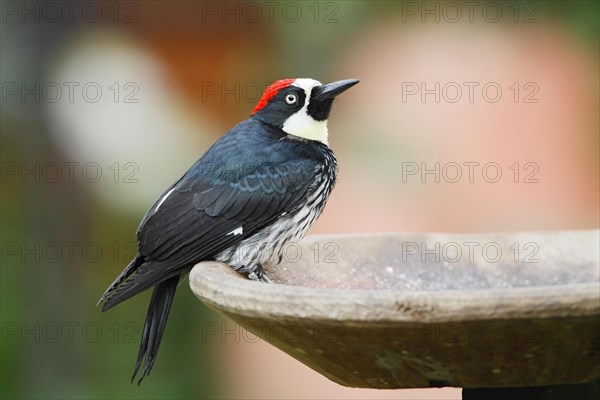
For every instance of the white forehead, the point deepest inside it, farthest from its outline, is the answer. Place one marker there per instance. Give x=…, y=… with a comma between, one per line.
x=306, y=83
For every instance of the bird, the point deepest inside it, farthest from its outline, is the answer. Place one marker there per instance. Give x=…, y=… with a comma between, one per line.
x=257, y=188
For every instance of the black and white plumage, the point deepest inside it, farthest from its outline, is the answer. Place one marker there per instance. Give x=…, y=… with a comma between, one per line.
x=259, y=187
x=267, y=244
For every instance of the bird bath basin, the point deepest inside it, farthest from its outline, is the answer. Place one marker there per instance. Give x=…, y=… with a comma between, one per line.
x=424, y=310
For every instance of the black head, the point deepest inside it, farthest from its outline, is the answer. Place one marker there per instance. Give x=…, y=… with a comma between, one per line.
x=300, y=107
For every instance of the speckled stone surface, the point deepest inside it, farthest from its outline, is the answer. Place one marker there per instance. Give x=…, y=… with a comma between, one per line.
x=421, y=310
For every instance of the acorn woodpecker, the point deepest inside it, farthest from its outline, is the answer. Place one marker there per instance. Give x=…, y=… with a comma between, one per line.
x=260, y=186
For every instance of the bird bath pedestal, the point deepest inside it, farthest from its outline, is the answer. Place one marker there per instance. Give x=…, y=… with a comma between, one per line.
x=496, y=314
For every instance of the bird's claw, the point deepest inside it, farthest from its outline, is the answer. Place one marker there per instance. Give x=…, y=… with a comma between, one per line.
x=258, y=274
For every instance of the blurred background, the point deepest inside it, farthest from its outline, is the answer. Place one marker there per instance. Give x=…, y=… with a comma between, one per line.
x=470, y=117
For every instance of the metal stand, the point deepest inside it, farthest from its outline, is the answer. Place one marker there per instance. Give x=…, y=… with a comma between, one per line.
x=583, y=391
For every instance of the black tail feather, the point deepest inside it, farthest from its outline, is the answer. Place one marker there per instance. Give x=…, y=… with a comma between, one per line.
x=154, y=327
x=107, y=297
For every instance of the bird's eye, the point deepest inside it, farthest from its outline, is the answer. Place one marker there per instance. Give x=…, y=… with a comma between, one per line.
x=291, y=98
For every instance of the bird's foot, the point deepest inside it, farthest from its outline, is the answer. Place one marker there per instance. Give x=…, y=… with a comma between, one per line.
x=258, y=274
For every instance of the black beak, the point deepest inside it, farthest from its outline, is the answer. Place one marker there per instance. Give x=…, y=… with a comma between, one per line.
x=322, y=97
x=331, y=90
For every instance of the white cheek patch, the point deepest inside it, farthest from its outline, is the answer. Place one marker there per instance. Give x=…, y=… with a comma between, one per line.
x=303, y=125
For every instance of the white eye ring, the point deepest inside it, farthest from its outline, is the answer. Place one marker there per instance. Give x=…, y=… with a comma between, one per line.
x=291, y=98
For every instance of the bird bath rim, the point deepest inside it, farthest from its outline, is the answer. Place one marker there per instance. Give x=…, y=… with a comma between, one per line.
x=216, y=284
x=471, y=333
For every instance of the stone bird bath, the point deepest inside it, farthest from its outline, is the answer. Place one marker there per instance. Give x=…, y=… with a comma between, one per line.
x=426, y=310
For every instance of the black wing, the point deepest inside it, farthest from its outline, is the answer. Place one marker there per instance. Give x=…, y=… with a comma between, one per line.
x=196, y=221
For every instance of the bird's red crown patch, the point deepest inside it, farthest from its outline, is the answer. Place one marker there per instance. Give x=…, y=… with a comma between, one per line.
x=271, y=92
